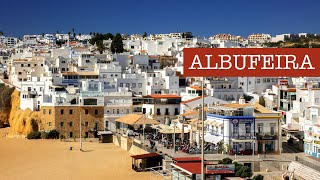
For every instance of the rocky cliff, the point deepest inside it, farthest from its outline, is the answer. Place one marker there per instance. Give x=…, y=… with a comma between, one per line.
x=22, y=121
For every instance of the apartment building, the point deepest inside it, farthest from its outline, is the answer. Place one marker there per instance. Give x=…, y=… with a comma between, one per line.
x=244, y=126
x=162, y=107
x=66, y=107
x=116, y=105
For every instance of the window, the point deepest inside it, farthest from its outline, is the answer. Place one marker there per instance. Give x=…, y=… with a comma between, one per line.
x=49, y=111
x=63, y=62
x=70, y=123
x=260, y=128
x=127, y=84
x=176, y=111
x=86, y=124
x=21, y=65
x=96, y=125
x=19, y=73
x=70, y=111
x=133, y=85
x=158, y=111
x=167, y=111
x=118, y=111
x=44, y=111
x=90, y=101
x=87, y=61
x=272, y=128
x=86, y=111
x=140, y=85
x=258, y=81
x=128, y=111
x=248, y=128
x=61, y=124
x=50, y=123
x=121, y=84
x=71, y=134
x=235, y=129
x=96, y=111
x=61, y=111
x=86, y=134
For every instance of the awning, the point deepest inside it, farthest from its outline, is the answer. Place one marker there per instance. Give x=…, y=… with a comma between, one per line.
x=142, y=156
x=136, y=119
x=190, y=113
x=165, y=129
x=194, y=121
x=212, y=138
x=291, y=126
x=307, y=141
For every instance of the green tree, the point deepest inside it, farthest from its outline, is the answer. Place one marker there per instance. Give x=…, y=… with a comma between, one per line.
x=145, y=35
x=1, y=33
x=244, y=172
x=79, y=34
x=101, y=47
x=257, y=177
x=225, y=161
x=108, y=36
x=73, y=30
x=117, y=44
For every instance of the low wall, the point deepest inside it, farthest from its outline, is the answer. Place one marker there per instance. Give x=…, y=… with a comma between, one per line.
x=128, y=144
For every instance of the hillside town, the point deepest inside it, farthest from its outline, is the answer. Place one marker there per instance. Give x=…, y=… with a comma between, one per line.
x=107, y=86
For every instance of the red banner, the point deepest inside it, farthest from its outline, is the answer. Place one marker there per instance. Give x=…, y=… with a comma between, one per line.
x=252, y=62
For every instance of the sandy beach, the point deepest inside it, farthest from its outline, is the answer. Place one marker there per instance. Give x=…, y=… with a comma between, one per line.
x=52, y=159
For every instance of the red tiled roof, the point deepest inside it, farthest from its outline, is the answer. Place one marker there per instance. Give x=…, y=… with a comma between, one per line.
x=290, y=90
x=158, y=96
x=187, y=159
x=195, y=168
x=190, y=100
x=141, y=156
x=197, y=88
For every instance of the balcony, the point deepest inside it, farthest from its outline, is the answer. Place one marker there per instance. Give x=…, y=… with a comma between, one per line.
x=266, y=136
x=118, y=104
x=243, y=135
x=114, y=115
x=91, y=94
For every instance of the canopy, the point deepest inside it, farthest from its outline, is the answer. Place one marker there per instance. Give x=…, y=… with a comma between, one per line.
x=136, y=119
x=165, y=129
x=212, y=138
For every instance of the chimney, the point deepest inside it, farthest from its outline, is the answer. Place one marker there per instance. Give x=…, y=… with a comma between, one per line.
x=242, y=100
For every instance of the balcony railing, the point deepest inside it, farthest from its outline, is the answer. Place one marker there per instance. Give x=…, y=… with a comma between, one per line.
x=118, y=104
x=91, y=94
x=243, y=135
x=114, y=115
x=266, y=135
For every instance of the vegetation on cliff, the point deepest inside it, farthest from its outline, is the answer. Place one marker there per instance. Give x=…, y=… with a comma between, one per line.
x=310, y=40
x=5, y=103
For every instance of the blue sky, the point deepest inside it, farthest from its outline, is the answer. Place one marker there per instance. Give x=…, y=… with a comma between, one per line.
x=203, y=18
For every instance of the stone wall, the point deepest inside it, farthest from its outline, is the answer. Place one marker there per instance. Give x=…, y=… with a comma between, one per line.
x=127, y=144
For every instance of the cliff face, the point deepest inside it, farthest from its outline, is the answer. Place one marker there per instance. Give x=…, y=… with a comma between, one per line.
x=5, y=104
x=22, y=122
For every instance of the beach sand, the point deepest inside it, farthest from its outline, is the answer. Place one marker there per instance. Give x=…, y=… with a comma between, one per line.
x=51, y=159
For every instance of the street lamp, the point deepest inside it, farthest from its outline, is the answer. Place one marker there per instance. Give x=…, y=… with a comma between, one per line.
x=253, y=149
x=174, y=137
x=80, y=118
